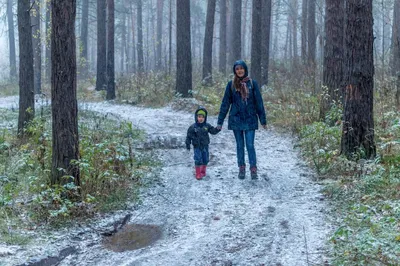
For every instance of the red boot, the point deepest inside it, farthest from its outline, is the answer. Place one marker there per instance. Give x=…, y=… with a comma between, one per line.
x=203, y=169
x=198, y=172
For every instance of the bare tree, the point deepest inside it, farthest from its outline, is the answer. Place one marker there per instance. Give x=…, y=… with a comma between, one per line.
x=266, y=9
x=304, y=32
x=396, y=49
x=26, y=72
x=311, y=41
x=84, y=66
x=358, y=123
x=236, y=30
x=110, y=51
x=11, y=40
x=36, y=42
x=208, y=41
x=183, y=49
x=333, y=54
x=160, y=9
x=101, y=76
x=140, y=36
x=222, y=36
x=64, y=104
x=255, y=67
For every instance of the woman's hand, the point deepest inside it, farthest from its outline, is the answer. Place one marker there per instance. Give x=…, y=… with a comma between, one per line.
x=219, y=127
x=264, y=126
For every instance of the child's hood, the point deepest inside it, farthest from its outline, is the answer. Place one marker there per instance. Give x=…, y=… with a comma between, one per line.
x=198, y=109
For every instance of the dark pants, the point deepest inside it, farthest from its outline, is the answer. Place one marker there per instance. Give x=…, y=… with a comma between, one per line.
x=201, y=156
x=241, y=137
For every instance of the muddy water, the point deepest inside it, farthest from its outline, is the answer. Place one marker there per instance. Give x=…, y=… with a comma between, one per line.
x=278, y=219
x=133, y=236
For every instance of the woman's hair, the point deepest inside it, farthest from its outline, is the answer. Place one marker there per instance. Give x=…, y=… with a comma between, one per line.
x=238, y=86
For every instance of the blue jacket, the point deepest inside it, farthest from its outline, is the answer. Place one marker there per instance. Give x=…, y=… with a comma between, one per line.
x=243, y=115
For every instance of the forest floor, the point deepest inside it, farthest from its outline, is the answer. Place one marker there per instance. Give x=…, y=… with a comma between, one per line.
x=279, y=219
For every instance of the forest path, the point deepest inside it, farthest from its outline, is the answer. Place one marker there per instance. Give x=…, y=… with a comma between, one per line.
x=278, y=219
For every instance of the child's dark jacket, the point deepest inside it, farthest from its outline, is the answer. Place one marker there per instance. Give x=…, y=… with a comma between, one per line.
x=197, y=134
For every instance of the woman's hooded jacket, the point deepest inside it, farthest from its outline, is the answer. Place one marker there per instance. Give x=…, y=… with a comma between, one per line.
x=243, y=114
x=197, y=133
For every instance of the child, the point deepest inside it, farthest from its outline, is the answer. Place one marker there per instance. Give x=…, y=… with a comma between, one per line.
x=197, y=135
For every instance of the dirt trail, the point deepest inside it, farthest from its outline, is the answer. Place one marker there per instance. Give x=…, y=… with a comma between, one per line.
x=276, y=220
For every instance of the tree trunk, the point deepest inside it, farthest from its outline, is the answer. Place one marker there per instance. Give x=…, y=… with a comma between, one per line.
x=47, y=42
x=358, y=124
x=170, y=38
x=396, y=50
x=110, y=51
x=304, y=32
x=222, y=36
x=133, y=63
x=84, y=39
x=208, y=41
x=140, y=36
x=236, y=33
x=266, y=10
x=26, y=72
x=160, y=11
x=36, y=42
x=294, y=15
x=312, y=41
x=123, y=41
x=64, y=104
x=255, y=67
x=183, y=49
x=333, y=55
x=101, y=76
x=11, y=41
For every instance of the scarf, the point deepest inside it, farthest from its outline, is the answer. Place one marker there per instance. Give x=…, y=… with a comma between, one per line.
x=244, y=91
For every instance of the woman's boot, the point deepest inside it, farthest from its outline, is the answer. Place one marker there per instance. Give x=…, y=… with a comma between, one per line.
x=242, y=172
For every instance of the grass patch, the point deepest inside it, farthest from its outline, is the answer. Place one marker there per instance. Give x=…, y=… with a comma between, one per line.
x=112, y=172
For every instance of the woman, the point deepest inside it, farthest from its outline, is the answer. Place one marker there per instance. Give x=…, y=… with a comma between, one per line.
x=244, y=99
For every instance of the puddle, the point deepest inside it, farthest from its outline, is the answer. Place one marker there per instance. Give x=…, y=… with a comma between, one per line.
x=133, y=236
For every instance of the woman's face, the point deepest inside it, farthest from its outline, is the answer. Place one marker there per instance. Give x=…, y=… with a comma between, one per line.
x=239, y=70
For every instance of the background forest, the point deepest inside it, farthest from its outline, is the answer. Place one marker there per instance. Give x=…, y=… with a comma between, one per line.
x=329, y=71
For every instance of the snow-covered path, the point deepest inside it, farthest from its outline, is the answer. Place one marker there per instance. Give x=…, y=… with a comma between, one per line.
x=276, y=220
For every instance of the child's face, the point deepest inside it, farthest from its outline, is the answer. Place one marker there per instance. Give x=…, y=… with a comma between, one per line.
x=200, y=119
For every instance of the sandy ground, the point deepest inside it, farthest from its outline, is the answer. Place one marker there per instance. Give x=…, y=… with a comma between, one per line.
x=278, y=219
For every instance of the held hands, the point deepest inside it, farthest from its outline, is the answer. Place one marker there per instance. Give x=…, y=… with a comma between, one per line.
x=219, y=127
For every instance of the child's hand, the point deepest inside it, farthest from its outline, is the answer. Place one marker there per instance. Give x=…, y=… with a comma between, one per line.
x=219, y=127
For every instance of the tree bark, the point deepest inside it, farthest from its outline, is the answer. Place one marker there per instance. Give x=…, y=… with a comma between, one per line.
x=11, y=41
x=170, y=38
x=64, y=104
x=101, y=76
x=236, y=32
x=358, y=124
x=396, y=50
x=311, y=41
x=123, y=41
x=160, y=12
x=255, y=67
x=222, y=36
x=110, y=51
x=333, y=55
x=183, y=49
x=26, y=72
x=84, y=39
x=304, y=32
x=140, y=36
x=47, y=42
x=208, y=41
x=36, y=42
x=266, y=10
